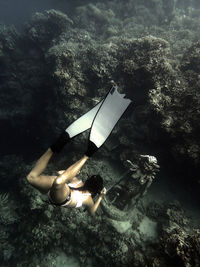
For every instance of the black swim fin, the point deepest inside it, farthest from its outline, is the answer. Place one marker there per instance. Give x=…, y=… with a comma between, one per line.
x=109, y=113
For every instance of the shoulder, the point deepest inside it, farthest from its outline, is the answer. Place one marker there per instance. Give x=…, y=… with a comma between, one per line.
x=88, y=202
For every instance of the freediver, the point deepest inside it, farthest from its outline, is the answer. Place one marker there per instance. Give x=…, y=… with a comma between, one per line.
x=66, y=189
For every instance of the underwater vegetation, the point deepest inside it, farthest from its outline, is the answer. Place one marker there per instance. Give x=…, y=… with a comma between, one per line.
x=55, y=70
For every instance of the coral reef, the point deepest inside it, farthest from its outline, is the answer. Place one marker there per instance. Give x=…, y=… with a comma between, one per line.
x=57, y=69
x=8, y=218
x=7, y=215
x=179, y=241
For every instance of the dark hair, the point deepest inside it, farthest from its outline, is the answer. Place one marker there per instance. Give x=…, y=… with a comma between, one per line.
x=94, y=185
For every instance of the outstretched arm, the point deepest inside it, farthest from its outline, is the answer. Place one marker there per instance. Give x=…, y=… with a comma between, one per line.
x=92, y=207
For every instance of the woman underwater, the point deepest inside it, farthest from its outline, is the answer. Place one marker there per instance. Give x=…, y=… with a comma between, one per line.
x=66, y=189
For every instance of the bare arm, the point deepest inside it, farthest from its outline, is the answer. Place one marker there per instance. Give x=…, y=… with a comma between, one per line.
x=95, y=206
x=92, y=207
x=72, y=171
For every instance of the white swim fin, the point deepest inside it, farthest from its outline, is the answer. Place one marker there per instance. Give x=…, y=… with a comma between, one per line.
x=84, y=122
x=109, y=113
x=80, y=125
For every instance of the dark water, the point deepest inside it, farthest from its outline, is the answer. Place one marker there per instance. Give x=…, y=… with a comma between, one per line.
x=42, y=91
x=18, y=12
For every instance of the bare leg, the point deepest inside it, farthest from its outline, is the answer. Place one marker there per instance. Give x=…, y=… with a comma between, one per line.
x=41, y=182
x=41, y=164
x=71, y=172
x=60, y=190
x=56, y=185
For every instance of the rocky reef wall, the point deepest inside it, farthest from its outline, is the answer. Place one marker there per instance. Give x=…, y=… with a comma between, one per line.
x=58, y=68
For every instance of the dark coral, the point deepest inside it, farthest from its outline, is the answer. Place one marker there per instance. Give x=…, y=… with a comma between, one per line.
x=59, y=68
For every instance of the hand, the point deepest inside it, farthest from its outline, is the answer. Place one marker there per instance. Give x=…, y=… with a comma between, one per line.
x=103, y=192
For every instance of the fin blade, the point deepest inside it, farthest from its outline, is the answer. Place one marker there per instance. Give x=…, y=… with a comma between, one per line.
x=111, y=110
x=84, y=122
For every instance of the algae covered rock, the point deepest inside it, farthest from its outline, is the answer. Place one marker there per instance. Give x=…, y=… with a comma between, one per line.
x=56, y=70
x=45, y=27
